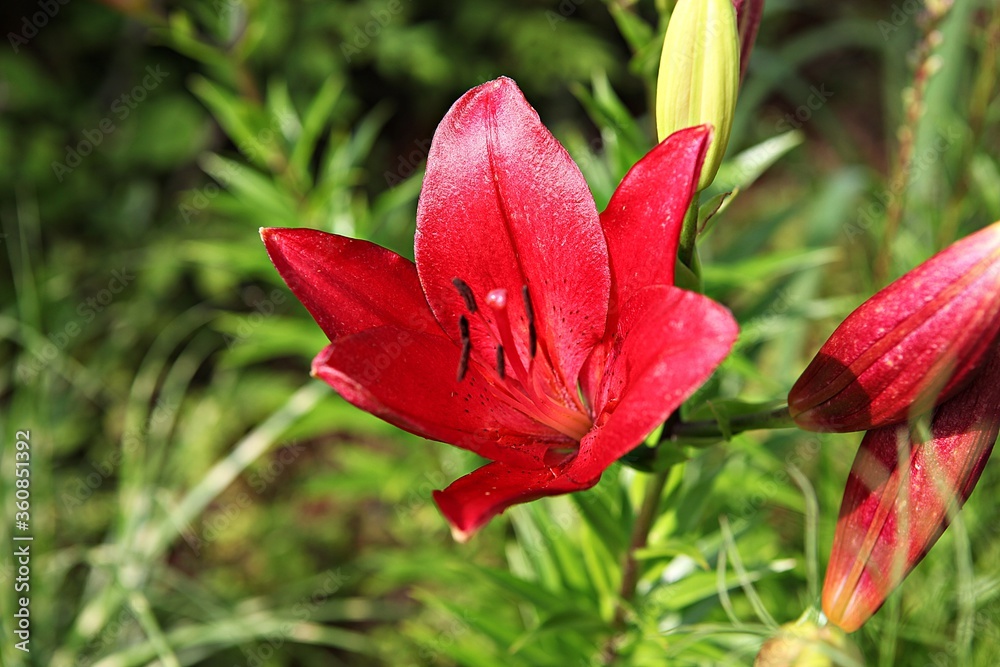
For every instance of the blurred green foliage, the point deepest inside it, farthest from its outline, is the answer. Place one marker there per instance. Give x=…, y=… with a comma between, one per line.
x=197, y=500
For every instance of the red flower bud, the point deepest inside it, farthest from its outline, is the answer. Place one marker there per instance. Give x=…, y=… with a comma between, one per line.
x=900, y=494
x=908, y=348
x=748, y=14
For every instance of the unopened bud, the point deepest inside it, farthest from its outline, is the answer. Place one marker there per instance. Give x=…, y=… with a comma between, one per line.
x=805, y=644
x=908, y=348
x=699, y=75
x=903, y=489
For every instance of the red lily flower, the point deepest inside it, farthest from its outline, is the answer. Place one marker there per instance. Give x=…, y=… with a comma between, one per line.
x=901, y=493
x=530, y=330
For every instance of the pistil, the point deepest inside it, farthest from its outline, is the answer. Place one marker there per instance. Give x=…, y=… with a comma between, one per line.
x=497, y=301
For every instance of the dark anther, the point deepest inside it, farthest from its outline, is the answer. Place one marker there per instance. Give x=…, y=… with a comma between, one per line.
x=530, y=312
x=500, y=362
x=463, y=362
x=466, y=292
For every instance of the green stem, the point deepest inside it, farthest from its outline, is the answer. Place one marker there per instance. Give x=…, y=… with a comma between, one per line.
x=689, y=235
x=771, y=419
x=630, y=566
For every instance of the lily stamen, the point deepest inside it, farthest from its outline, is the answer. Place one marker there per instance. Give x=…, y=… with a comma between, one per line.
x=463, y=362
x=530, y=312
x=466, y=293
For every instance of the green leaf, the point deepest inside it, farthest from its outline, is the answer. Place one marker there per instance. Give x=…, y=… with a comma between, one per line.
x=672, y=549
x=774, y=265
x=315, y=120
x=275, y=206
x=572, y=620
x=739, y=172
x=594, y=508
x=530, y=591
x=633, y=28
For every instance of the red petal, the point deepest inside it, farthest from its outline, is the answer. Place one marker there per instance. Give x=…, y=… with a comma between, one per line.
x=503, y=206
x=643, y=220
x=669, y=342
x=408, y=379
x=642, y=225
x=892, y=514
x=348, y=285
x=470, y=502
x=911, y=346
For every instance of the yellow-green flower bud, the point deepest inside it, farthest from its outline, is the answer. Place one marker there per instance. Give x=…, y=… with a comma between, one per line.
x=804, y=644
x=700, y=75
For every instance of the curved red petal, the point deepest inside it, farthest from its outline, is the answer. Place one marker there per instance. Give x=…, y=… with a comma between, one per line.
x=504, y=206
x=642, y=223
x=408, y=379
x=669, y=342
x=470, y=502
x=348, y=285
x=900, y=495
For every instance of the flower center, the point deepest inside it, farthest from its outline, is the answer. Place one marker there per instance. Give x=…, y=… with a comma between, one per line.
x=522, y=374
